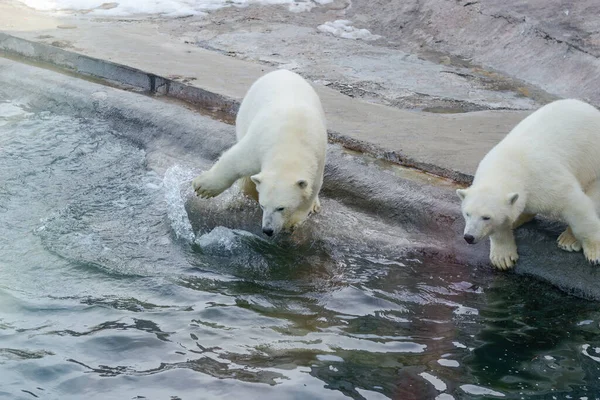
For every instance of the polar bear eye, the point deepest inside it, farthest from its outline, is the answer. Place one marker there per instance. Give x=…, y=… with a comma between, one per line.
x=468, y=215
x=280, y=209
x=486, y=218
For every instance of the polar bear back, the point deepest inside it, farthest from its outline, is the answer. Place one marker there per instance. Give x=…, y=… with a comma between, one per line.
x=560, y=138
x=281, y=90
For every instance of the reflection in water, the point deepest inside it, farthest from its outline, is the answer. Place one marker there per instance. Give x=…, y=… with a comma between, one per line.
x=117, y=283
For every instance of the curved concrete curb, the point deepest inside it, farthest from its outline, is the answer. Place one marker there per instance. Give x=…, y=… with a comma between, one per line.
x=115, y=74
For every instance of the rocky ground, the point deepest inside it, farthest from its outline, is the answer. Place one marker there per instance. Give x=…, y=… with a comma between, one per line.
x=438, y=56
x=428, y=55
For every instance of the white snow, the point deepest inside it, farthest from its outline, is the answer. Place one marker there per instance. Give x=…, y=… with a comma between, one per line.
x=302, y=6
x=343, y=28
x=168, y=8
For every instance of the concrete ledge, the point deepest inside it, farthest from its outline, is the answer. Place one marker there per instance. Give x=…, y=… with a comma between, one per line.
x=115, y=74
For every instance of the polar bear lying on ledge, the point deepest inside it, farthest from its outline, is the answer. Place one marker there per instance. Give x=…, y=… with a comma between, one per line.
x=548, y=164
x=280, y=151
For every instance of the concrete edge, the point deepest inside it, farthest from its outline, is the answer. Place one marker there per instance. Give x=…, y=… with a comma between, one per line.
x=215, y=104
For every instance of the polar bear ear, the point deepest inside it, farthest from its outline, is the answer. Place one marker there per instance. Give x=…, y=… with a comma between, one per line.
x=512, y=198
x=306, y=190
x=462, y=193
x=257, y=179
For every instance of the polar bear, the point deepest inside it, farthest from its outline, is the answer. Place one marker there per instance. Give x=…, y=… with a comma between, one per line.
x=548, y=164
x=279, y=154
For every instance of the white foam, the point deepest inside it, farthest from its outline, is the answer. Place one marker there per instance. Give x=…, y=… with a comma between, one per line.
x=343, y=28
x=10, y=111
x=371, y=395
x=585, y=322
x=444, y=396
x=437, y=383
x=168, y=8
x=329, y=357
x=479, y=391
x=221, y=238
x=464, y=310
x=584, y=351
x=448, y=363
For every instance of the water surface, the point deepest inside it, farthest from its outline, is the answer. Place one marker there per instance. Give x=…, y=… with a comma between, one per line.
x=116, y=283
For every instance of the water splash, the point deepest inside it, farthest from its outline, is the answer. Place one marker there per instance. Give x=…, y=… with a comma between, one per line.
x=223, y=239
x=178, y=187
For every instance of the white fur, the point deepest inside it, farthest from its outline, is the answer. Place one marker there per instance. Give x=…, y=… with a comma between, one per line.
x=282, y=141
x=548, y=164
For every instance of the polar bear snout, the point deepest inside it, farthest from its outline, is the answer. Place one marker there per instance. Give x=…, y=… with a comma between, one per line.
x=469, y=238
x=272, y=221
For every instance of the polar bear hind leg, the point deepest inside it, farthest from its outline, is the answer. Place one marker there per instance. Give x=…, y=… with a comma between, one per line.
x=567, y=240
x=523, y=219
x=581, y=216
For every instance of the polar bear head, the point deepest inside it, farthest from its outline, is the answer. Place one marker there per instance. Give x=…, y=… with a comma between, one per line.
x=284, y=199
x=486, y=210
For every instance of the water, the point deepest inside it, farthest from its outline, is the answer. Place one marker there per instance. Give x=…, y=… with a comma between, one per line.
x=116, y=283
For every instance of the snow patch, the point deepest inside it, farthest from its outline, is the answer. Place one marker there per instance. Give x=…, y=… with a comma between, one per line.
x=167, y=8
x=343, y=28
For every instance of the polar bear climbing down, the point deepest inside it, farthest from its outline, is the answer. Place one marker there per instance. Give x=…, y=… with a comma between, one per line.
x=279, y=154
x=548, y=164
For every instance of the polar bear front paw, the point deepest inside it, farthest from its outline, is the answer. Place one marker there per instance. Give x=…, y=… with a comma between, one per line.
x=206, y=186
x=503, y=258
x=568, y=242
x=591, y=250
